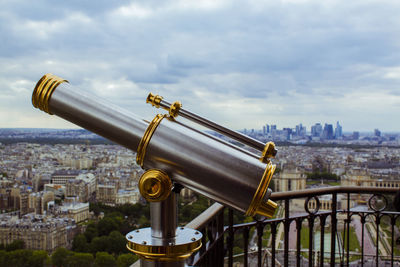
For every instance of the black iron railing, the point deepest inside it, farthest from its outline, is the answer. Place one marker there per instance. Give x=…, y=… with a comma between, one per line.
x=357, y=220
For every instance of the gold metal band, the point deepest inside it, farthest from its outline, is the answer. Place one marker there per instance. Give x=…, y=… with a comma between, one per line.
x=43, y=91
x=167, y=253
x=257, y=206
x=141, y=151
x=179, y=248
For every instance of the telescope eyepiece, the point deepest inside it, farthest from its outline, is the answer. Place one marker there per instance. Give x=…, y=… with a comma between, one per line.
x=43, y=91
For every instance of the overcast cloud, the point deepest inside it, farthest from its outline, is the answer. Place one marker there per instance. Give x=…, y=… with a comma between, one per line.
x=240, y=63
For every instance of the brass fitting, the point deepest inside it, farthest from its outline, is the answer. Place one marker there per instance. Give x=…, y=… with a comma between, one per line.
x=154, y=100
x=257, y=206
x=43, y=91
x=155, y=185
x=268, y=152
x=174, y=109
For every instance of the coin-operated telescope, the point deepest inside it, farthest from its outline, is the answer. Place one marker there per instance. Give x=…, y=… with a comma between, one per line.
x=172, y=153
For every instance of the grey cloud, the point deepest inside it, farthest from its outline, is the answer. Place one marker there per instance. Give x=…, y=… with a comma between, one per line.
x=254, y=50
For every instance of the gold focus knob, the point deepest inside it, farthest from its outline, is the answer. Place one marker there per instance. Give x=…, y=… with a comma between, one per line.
x=155, y=185
x=267, y=209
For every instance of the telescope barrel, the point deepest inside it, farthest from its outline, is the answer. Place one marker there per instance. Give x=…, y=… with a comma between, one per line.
x=196, y=160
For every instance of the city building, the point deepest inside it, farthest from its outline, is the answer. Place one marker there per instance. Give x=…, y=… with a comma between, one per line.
x=127, y=196
x=83, y=187
x=77, y=211
x=38, y=232
x=106, y=194
x=61, y=177
x=289, y=179
x=37, y=202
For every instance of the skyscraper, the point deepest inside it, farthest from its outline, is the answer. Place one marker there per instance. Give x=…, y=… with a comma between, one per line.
x=338, y=131
x=316, y=130
x=328, y=131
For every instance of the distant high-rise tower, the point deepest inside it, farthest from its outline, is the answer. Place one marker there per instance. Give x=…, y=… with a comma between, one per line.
x=328, y=131
x=338, y=131
x=377, y=133
x=316, y=130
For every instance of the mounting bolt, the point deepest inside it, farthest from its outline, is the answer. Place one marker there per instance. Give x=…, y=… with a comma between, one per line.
x=144, y=242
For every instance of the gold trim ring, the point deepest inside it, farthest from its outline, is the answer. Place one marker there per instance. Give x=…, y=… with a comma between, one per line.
x=43, y=91
x=257, y=206
x=141, y=151
x=186, y=242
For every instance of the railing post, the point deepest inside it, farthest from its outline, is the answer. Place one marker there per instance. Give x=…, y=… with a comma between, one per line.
x=230, y=239
x=310, y=239
x=287, y=228
x=220, y=245
x=273, y=233
x=322, y=221
x=298, y=245
x=393, y=222
x=334, y=228
x=246, y=246
x=362, y=239
x=260, y=228
x=377, y=221
x=348, y=229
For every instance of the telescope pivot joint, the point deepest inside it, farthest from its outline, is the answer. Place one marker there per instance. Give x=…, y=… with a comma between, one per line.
x=155, y=185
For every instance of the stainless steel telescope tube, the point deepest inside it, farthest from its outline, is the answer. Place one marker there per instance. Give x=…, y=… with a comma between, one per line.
x=196, y=160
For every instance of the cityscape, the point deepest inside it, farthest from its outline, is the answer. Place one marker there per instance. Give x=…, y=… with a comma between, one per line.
x=51, y=178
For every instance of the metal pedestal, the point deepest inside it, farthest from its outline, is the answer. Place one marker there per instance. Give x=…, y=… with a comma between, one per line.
x=164, y=244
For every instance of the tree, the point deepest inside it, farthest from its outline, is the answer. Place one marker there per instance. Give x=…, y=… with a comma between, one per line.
x=101, y=243
x=79, y=244
x=18, y=258
x=103, y=259
x=3, y=258
x=38, y=258
x=106, y=226
x=91, y=232
x=16, y=244
x=117, y=243
x=80, y=260
x=59, y=257
x=126, y=260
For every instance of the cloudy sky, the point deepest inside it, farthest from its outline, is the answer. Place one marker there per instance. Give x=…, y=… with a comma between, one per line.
x=240, y=63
